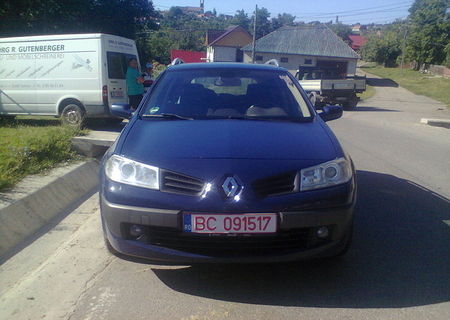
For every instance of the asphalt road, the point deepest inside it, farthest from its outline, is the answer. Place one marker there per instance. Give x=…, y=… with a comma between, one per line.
x=397, y=268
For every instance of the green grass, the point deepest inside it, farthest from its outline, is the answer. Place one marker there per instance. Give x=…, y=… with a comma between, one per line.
x=431, y=86
x=30, y=145
x=370, y=91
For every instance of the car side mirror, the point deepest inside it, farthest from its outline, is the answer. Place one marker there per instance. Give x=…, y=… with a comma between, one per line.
x=121, y=110
x=331, y=113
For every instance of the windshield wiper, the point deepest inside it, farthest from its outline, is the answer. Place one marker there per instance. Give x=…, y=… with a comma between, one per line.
x=166, y=116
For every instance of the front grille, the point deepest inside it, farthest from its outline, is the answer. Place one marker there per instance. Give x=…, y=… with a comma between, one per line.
x=241, y=245
x=275, y=185
x=179, y=183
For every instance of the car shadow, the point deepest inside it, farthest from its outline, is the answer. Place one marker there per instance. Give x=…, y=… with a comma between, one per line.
x=384, y=82
x=105, y=125
x=400, y=257
x=366, y=108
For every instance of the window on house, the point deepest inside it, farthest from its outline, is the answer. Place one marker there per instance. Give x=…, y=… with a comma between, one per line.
x=284, y=60
x=308, y=61
x=258, y=58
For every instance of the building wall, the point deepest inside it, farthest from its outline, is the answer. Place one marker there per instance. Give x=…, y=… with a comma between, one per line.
x=294, y=61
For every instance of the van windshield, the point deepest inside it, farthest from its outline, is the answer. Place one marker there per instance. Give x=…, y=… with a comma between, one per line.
x=227, y=93
x=118, y=64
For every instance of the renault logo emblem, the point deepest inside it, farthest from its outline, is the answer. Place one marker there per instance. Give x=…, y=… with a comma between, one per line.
x=231, y=187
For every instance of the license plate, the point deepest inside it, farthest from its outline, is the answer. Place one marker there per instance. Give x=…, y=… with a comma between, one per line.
x=230, y=223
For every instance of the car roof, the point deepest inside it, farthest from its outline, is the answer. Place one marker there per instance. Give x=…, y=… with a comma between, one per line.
x=224, y=65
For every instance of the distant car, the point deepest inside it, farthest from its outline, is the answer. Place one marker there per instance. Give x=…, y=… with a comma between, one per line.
x=227, y=162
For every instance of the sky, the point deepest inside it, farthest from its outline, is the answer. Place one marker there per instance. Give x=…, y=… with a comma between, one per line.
x=349, y=11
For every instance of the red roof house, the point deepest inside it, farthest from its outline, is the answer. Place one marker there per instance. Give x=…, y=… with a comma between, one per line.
x=357, y=41
x=188, y=56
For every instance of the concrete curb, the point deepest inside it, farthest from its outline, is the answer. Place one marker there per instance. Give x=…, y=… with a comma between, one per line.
x=444, y=123
x=25, y=216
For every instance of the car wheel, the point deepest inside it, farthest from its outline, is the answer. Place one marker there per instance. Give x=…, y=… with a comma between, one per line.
x=351, y=103
x=73, y=115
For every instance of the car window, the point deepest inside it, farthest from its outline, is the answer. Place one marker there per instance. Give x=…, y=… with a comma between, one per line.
x=228, y=93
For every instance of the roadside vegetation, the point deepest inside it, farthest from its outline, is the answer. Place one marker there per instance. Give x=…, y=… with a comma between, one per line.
x=30, y=145
x=431, y=86
x=421, y=39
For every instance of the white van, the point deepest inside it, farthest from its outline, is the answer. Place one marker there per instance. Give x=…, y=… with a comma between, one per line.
x=72, y=76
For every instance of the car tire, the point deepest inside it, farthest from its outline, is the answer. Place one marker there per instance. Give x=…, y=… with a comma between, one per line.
x=351, y=103
x=73, y=114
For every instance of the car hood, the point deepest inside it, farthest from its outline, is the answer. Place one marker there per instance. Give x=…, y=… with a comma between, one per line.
x=156, y=140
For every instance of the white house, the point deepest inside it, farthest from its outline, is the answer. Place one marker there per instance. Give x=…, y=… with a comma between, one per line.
x=304, y=46
x=225, y=46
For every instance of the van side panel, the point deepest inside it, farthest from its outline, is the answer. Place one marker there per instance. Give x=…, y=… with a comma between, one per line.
x=74, y=73
x=39, y=74
x=55, y=70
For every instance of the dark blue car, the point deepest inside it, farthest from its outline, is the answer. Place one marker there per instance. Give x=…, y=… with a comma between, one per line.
x=227, y=163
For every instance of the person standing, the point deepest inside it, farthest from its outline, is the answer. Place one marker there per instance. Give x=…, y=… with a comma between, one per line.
x=148, y=81
x=135, y=86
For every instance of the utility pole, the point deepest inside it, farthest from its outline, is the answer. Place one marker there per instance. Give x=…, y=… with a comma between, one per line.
x=254, y=35
x=403, y=47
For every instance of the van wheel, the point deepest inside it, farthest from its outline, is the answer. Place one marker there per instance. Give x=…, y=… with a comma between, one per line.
x=72, y=115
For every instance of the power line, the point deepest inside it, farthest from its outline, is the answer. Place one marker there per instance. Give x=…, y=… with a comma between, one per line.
x=355, y=14
x=361, y=9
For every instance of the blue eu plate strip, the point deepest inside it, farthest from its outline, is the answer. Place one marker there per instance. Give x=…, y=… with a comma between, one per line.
x=187, y=223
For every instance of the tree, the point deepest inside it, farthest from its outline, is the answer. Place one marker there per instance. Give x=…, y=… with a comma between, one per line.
x=342, y=30
x=118, y=17
x=174, y=12
x=263, y=25
x=241, y=19
x=428, y=32
x=384, y=48
x=281, y=20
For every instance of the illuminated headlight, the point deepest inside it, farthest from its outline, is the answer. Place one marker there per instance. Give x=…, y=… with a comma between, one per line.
x=324, y=175
x=130, y=172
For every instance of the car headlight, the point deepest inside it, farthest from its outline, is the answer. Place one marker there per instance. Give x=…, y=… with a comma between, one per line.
x=324, y=175
x=121, y=169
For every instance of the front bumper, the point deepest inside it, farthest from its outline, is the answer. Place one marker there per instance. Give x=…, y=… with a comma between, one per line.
x=115, y=217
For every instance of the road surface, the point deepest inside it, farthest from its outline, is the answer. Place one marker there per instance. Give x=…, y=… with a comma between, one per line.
x=397, y=268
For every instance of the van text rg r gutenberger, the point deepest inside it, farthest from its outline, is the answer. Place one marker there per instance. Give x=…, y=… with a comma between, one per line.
x=55, y=47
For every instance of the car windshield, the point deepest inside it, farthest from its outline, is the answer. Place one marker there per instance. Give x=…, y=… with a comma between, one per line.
x=227, y=93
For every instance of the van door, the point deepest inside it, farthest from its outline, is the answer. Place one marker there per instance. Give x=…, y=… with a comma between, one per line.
x=117, y=68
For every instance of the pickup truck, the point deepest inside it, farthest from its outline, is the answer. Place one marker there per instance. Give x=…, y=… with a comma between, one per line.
x=339, y=90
